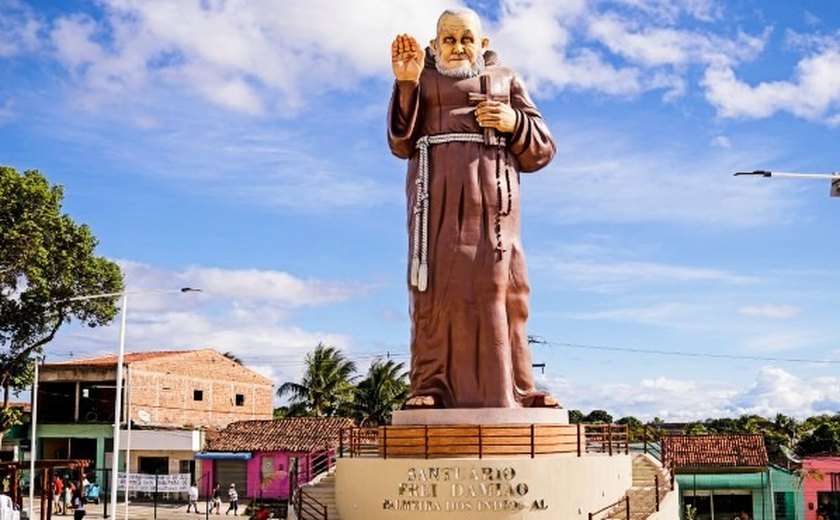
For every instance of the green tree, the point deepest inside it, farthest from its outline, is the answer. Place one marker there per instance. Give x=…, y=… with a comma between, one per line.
x=696, y=428
x=598, y=416
x=825, y=438
x=45, y=260
x=326, y=389
x=576, y=416
x=383, y=390
x=635, y=428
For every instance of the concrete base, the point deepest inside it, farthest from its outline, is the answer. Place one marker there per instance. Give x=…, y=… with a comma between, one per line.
x=484, y=416
x=562, y=487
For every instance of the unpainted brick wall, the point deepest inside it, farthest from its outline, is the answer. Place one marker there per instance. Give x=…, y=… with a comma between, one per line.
x=166, y=388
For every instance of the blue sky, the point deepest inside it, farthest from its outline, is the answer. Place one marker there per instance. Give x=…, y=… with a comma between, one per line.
x=240, y=147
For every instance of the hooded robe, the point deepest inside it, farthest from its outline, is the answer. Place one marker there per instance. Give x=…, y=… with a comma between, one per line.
x=469, y=348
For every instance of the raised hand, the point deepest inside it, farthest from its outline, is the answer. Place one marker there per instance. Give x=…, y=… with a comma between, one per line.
x=406, y=58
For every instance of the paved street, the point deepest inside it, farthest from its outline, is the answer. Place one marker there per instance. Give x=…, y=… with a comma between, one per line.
x=138, y=510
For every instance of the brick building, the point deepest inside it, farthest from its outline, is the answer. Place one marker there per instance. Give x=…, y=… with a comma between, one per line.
x=169, y=397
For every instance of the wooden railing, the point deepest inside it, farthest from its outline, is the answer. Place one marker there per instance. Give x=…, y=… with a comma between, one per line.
x=607, y=438
x=428, y=442
x=308, y=507
x=621, y=506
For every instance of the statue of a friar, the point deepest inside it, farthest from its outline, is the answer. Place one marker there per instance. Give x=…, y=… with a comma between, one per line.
x=468, y=128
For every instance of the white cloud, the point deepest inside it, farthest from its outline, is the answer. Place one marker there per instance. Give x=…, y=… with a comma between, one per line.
x=658, y=314
x=782, y=340
x=19, y=28
x=813, y=94
x=776, y=312
x=611, y=275
x=251, y=313
x=773, y=390
x=245, y=56
x=254, y=58
x=777, y=390
x=601, y=176
x=721, y=141
x=7, y=112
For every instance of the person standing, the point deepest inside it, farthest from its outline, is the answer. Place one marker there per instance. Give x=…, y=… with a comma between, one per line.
x=58, y=492
x=192, y=498
x=233, y=497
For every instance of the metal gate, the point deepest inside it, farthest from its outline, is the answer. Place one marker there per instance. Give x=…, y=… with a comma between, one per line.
x=232, y=472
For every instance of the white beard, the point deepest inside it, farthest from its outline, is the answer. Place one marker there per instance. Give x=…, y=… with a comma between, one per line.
x=462, y=72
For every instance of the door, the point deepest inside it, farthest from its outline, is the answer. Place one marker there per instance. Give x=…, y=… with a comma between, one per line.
x=232, y=472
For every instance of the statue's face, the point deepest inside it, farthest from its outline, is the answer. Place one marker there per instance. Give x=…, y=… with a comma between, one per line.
x=459, y=42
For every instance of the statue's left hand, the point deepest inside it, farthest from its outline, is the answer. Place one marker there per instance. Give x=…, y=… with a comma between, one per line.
x=495, y=114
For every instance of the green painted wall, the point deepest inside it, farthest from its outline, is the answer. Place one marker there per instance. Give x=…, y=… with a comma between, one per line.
x=762, y=485
x=100, y=432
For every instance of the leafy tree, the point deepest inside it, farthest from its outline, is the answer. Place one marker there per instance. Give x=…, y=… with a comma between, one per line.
x=696, y=428
x=824, y=439
x=46, y=259
x=723, y=425
x=635, y=428
x=598, y=416
x=383, y=390
x=576, y=416
x=326, y=389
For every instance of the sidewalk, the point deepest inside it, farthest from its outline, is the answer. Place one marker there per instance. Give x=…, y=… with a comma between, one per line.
x=137, y=510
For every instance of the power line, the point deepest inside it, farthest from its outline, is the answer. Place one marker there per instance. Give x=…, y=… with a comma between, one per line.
x=541, y=341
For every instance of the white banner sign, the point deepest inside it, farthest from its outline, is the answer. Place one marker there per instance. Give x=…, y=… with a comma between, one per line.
x=146, y=483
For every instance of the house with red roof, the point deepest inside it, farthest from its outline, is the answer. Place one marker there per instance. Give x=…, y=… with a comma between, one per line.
x=726, y=477
x=170, y=399
x=260, y=457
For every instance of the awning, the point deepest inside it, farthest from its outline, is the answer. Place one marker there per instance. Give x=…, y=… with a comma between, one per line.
x=225, y=455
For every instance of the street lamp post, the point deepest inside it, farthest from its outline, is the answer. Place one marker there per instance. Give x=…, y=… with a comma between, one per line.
x=119, y=387
x=833, y=177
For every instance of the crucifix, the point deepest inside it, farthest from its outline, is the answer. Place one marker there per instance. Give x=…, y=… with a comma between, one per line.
x=491, y=137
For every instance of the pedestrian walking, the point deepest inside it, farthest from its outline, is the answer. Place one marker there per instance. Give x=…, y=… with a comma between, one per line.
x=79, y=505
x=192, y=497
x=217, y=500
x=233, y=497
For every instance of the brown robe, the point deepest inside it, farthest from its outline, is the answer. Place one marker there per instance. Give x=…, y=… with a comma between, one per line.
x=469, y=348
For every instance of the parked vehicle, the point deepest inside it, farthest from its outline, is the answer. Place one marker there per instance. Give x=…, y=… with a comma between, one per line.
x=92, y=493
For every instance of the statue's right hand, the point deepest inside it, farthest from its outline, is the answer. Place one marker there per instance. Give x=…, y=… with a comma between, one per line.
x=406, y=58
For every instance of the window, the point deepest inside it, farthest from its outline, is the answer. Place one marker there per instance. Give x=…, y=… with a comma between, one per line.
x=198, y=395
x=240, y=400
x=785, y=508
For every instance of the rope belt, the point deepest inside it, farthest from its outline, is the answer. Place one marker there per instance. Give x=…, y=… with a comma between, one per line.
x=420, y=233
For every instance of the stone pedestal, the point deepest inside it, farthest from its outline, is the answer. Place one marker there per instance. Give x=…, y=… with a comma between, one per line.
x=473, y=464
x=559, y=487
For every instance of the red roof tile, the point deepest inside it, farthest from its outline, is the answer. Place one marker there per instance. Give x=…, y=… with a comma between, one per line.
x=707, y=451
x=300, y=434
x=129, y=357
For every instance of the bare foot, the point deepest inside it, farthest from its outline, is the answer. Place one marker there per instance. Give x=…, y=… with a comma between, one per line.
x=544, y=401
x=420, y=401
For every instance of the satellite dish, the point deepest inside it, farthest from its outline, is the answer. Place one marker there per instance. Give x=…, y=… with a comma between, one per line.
x=144, y=416
x=791, y=456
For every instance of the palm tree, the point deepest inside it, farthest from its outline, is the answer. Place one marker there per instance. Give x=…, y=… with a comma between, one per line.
x=233, y=357
x=383, y=390
x=326, y=389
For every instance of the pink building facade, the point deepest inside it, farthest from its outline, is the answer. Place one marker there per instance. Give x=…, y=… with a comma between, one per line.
x=821, y=486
